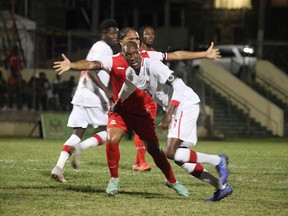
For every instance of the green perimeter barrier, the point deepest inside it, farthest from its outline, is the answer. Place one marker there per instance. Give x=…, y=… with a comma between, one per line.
x=54, y=126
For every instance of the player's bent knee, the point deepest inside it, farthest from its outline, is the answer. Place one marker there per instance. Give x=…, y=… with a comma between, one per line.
x=169, y=154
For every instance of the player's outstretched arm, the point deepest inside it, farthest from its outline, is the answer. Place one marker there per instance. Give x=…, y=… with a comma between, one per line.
x=210, y=53
x=65, y=65
x=62, y=66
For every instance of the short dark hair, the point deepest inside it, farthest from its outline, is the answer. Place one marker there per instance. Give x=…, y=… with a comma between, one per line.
x=107, y=23
x=142, y=29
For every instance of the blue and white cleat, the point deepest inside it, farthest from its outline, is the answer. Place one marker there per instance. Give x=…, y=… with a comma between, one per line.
x=222, y=168
x=220, y=194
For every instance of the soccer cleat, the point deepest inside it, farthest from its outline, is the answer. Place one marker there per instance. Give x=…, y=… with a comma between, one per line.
x=142, y=167
x=75, y=160
x=222, y=168
x=135, y=167
x=220, y=194
x=112, y=188
x=58, y=174
x=180, y=189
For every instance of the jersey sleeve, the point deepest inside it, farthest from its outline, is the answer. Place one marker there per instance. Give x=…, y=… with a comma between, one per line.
x=106, y=62
x=100, y=48
x=178, y=91
x=128, y=87
x=93, y=54
x=160, y=71
x=157, y=55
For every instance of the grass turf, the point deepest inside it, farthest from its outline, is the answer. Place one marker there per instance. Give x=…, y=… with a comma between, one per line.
x=258, y=174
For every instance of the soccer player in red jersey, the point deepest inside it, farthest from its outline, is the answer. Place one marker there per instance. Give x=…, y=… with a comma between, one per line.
x=147, y=36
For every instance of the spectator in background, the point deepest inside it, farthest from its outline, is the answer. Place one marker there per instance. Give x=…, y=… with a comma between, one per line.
x=13, y=89
x=56, y=91
x=13, y=61
x=69, y=89
x=43, y=87
x=3, y=92
x=38, y=85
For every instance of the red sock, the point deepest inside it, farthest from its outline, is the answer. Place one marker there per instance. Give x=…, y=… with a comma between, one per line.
x=193, y=157
x=67, y=149
x=99, y=139
x=163, y=164
x=113, y=157
x=141, y=150
x=198, y=170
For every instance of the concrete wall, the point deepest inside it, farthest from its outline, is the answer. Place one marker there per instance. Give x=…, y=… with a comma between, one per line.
x=20, y=123
x=273, y=79
x=243, y=96
x=27, y=73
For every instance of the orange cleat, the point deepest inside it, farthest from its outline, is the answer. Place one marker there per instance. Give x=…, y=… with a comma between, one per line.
x=142, y=167
x=135, y=167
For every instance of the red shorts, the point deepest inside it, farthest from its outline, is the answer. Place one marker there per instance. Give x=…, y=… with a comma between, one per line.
x=142, y=125
x=152, y=107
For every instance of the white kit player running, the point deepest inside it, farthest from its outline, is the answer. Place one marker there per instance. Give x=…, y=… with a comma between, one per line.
x=90, y=103
x=181, y=104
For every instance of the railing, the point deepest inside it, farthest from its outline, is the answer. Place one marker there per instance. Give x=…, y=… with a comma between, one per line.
x=280, y=90
x=228, y=95
x=277, y=52
x=238, y=101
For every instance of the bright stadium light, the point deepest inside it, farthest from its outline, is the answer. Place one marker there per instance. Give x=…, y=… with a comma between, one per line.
x=233, y=4
x=248, y=50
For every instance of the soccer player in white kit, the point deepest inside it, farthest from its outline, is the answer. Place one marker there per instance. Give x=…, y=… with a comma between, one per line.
x=181, y=104
x=90, y=103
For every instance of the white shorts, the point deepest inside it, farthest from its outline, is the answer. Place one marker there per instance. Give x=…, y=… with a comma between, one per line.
x=184, y=126
x=81, y=116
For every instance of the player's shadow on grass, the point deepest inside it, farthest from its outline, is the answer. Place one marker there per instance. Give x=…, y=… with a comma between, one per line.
x=101, y=164
x=146, y=195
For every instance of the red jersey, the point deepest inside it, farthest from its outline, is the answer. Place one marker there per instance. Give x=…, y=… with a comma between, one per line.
x=116, y=66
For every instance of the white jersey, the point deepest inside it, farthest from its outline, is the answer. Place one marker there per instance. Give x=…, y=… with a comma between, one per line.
x=87, y=93
x=152, y=78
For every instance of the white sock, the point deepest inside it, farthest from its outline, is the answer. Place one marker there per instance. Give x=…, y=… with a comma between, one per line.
x=62, y=159
x=205, y=176
x=72, y=141
x=182, y=155
x=94, y=141
x=208, y=158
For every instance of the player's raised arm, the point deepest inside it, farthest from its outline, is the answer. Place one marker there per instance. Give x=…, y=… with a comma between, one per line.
x=210, y=53
x=65, y=65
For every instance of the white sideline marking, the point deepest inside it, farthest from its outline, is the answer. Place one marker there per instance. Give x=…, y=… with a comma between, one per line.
x=26, y=161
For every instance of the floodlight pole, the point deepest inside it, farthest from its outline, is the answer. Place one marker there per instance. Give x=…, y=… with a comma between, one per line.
x=260, y=34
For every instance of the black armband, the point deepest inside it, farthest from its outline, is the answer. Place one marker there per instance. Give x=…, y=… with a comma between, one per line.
x=171, y=79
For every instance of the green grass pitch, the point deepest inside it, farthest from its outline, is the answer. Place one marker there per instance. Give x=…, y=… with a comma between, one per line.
x=258, y=174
